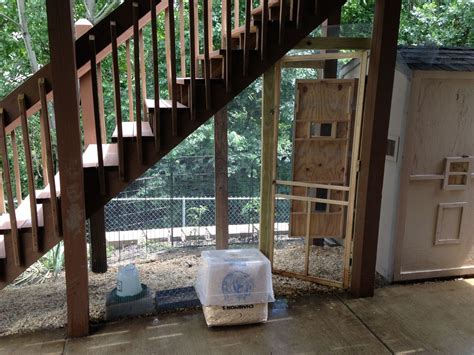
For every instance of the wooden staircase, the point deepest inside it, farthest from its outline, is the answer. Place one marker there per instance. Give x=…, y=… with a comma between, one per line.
x=216, y=76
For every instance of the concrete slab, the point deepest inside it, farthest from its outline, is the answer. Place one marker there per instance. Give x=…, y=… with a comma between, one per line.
x=431, y=317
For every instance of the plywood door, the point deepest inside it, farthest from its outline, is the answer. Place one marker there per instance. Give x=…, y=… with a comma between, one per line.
x=437, y=226
x=321, y=141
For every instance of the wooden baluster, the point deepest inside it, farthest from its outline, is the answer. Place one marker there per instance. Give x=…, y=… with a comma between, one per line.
x=16, y=168
x=299, y=13
x=143, y=75
x=156, y=82
x=196, y=33
x=210, y=28
x=171, y=64
x=316, y=7
x=248, y=18
x=264, y=31
x=29, y=170
x=8, y=186
x=100, y=95
x=46, y=143
x=98, y=130
x=282, y=24
x=117, y=98
x=228, y=43
x=138, y=100
x=236, y=14
x=182, y=51
x=2, y=196
x=129, y=81
x=192, y=50
x=207, y=63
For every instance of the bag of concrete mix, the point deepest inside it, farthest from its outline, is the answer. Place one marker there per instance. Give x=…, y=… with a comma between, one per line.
x=234, y=286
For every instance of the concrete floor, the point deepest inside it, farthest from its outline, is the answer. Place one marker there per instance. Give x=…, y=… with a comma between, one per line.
x=430, y=317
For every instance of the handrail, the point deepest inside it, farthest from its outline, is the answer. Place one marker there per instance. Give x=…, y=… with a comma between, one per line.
x=101, y=31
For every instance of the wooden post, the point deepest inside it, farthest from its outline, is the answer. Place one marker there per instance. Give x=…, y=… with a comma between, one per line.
x=374, y=143
x=221, y=176
x=66, y=107
x=98, y=242
x=266, y=176
x=331, y=30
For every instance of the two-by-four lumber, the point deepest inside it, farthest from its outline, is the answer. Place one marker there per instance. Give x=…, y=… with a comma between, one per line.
x=282, y=21
x=29, y=171
x=374, y=145
x=334, y=43
x=117, y=98
x=207, y=63
x=97, y=125
x=2, y=196
x=221, y=178
x=66, y=107
x=264, y=31
x=171, y=64
x=143, y=74
x=129, y=81
x=16, y=167
x=156, y=82
x=46, y=143
x=192, y=51
x=247, y=34
x=98, y=242
x=228, y=43
x=8, y=185
x=182, y=49
x=138, y=98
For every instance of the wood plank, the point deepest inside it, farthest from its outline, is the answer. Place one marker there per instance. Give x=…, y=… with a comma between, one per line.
x=16, y=167
x=2, y=196
x=129, y=81
x=308, y=278
x=182, y=43
x=192, y=50
x=156, y=78
x=221, y=178
x=129, y=130
x=66, y=106
x=98, y=242
x=228, y=43
x=136, y=63
x=109, y=157
x=55, y=212
x=264, y=31
x=312, y=185
x=8, y=185
x=373, y=148
x=207, y=63
x=143, y=72
x=30, y=173
x=97, y=119
x=117, y=99
x=334, y=43
x=282, y=22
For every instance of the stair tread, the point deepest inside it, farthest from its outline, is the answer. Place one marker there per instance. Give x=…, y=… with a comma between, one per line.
x=109, y=154
x=187, y=80
x=150, y=103
x=23, y=216
x=46, y=193
x=271, y=3
x=129, y=130
x=240, y=30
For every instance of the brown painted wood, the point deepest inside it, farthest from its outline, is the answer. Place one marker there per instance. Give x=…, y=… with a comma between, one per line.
x=332, y=30
x=16, y=167
x=143, y=74
x=171, y=63
x=8, y=185
x=207, y=62
x=131, y=112
x=46, y=143
x=182, y=43
x=248, y=19
x=264, y=31
x=156, y=81
x=98, y=242
x=228, y=43
x=299, y=13
x=221, y=178
x=97, y=118
x=2, y=196
x=374, y=141
x=192, y=51
x=30, y=172
x=282, y=22
x=66, y=107
x=236, y=14
x=117, y=98
x=136, y=63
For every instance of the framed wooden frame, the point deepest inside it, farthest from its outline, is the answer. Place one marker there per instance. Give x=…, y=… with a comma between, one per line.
x=440, y=237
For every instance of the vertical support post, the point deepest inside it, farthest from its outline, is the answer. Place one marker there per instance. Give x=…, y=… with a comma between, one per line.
x=16, y=167
x=221, y=176
x=98, y=243
x=374, y=143
x=66, y=107
x=332, y=30
x=266, y=176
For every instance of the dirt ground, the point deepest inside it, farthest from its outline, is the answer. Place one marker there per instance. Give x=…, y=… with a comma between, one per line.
x=32, y=307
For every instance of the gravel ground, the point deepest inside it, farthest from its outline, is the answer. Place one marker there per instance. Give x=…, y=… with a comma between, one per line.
x=32, y=307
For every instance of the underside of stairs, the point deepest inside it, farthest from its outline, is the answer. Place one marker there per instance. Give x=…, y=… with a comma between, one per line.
x=256, y=45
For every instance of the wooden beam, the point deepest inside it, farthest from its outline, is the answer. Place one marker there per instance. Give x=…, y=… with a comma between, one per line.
x=98, y=242
x=221, y=179
x=331, y=31
x=317, y=64
x=334, y=43
x=267, y=159
x=66, y=107
x=374, y=143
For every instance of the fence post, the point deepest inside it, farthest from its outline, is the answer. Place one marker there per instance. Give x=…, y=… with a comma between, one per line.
x=183, y=217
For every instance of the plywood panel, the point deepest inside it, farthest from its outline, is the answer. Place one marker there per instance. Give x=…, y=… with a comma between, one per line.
x=322, y=225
